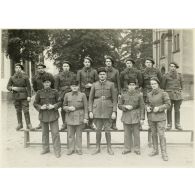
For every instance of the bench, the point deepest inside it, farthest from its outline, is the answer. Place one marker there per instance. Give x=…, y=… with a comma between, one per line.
x=27, y=142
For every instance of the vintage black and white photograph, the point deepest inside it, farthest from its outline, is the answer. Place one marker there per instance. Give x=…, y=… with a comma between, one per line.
x=97, y=98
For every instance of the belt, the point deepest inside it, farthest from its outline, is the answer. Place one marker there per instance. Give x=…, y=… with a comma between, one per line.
x=103, y=98
x=20, y=89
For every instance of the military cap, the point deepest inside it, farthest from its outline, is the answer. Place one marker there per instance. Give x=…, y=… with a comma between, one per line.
x=47, y=78
x=74, y=82
x=132, y=80
x=66, y=62
x=101, y=69
x=150, y=59
x=130, y=59
x=18, y=64
x=41, y=64
x=176, y=65
x=87, y=57
x=155, y=79
x=109, y=57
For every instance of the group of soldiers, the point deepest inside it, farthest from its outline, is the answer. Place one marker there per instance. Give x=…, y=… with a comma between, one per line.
x=89, y=99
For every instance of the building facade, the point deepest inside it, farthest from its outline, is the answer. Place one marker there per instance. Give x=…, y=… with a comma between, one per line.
x=176, y=45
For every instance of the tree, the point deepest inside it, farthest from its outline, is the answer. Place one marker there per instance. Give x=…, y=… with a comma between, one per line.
x=25, y=44
x=74, y=45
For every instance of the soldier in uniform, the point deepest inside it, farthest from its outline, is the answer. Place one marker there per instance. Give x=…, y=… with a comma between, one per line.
x=86, y=77
x=113, y=76
x=132, y=105
x=47, y=103
x=102, y=108
x=149, y=72
x=173, y=83
x=76, y=107
x=37, y=80
x=19, y=85
x=62, y=85
x=156, y=103
x=130, y=73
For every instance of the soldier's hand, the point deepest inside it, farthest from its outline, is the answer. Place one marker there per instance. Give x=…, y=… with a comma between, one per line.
x=44, y=107
x=148, y=109
x=113, y=115
x=156, y=109
x=28, y=99
x=91, y=115
x=85, y=121
x=71, y=108
x=129, y=107
x=119, y=96
x=50, y=106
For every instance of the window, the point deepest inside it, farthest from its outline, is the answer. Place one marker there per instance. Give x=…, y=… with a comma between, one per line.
x=162, y=46
x=176, y=43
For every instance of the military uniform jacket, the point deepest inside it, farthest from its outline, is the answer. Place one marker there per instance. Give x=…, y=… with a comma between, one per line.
x=147, y=74
x=113, y=76
x=85, y=76
x=63, y=81
x=103, y=99
x=47, y=96
x=37, y=81
x=135, y=99
x=79, y=101
x=158, y=98
x=21, y=81
x=128, y=74
x=173, y=85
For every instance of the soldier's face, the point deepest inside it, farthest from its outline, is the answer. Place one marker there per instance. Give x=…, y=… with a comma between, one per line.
x=148, y=63
x=102, y=76
x=18, y=69
x=172, y=67
x=66, y=67
x=108, y=62
x=131, y=86
x=46, y=84
x=154, y=84
x=74, y=87
x=129, y=64
x=40, y=69
x=87, y=63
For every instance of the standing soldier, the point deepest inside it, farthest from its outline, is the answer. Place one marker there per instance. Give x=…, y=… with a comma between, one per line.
x=62, y=85
x=132, y=105
x=47, y=103
x=86, y=77
x=130, y=73
x=19, y=85
x=173, y=84
x=156, y=103
x=37, y=80
x=102, y=108
x=148, y=73
x=113, y=76
x=76, y=107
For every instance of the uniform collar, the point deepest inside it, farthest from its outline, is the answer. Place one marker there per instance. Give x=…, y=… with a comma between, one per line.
x=109, y=69
x=86, y=69
x=102, y=82
x=48, y=89
x=155, y=91
x=132, y=92
x=75, y=92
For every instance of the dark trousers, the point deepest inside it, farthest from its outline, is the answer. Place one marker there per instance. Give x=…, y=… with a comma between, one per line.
x=21, y=105
x=75, y=137
x=54, y=127
x=176, y=104
x=129, y=131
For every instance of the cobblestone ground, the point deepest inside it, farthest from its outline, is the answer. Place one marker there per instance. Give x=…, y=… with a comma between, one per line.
x=13, y=153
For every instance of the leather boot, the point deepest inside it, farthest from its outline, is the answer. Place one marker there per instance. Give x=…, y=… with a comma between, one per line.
x=108, y=140
x=155, y=146
x=114, y=125
x=98, y=141
x=169, y=119
x=163, y=149
x=64, y=125
x=19, y=118
x=177, y=121
x=27, y=119
x=149, y=138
